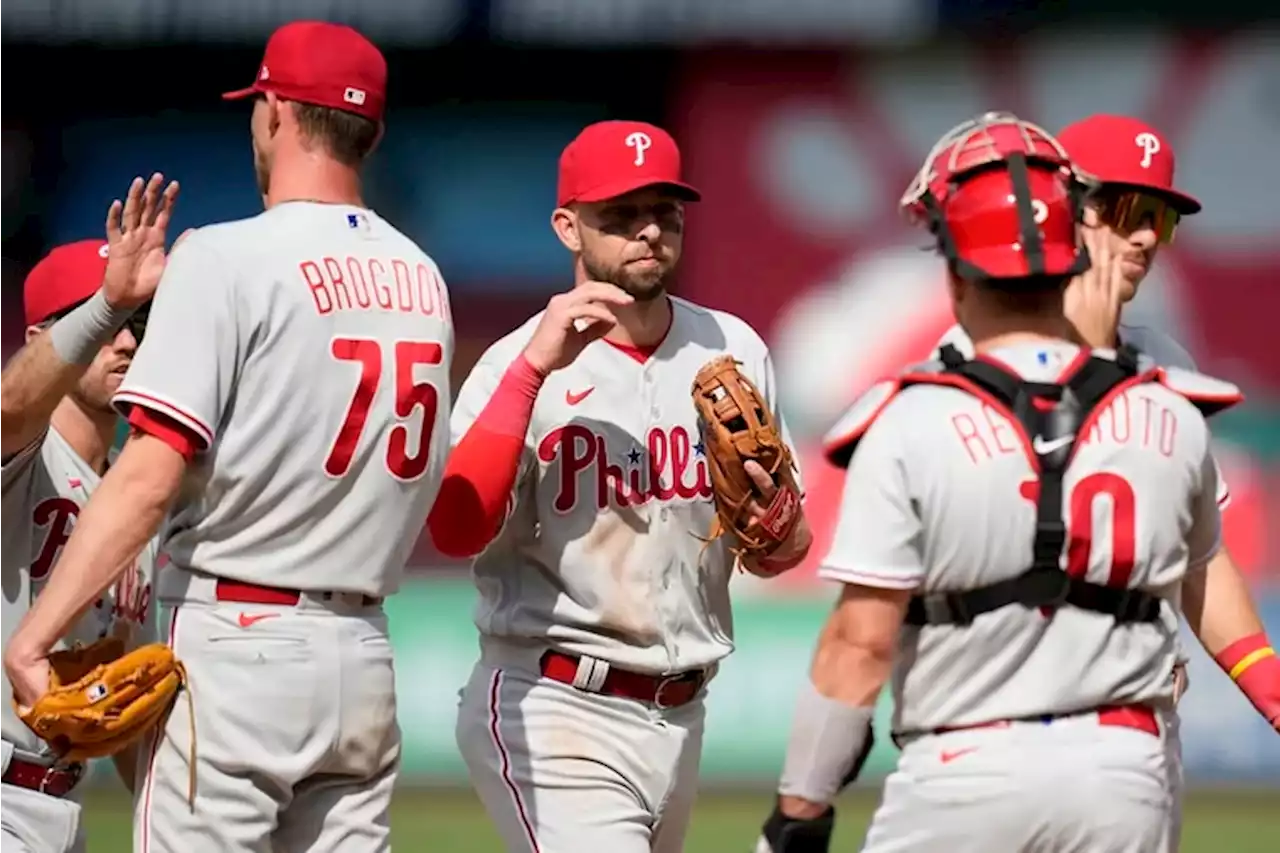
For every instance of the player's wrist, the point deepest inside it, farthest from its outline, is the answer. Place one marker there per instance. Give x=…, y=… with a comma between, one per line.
x=77, y=337
x=532, y=362
x=1251, y=662
x=1245, y=653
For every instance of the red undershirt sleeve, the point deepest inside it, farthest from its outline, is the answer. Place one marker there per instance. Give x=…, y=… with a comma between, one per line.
x=172, y=432
x=482, y=469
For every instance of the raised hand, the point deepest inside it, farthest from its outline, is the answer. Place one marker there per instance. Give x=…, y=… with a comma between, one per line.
x=1094, y=298
x=573, y=320
x=135, y=241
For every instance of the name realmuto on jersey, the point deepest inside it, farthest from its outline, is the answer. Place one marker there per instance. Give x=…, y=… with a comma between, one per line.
x=1130, y=420
x=354, y=283
x=667, y=470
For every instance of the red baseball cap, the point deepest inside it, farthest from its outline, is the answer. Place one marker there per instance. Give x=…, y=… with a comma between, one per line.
x=1123, y=150
x=612, y=158
x=328, y=65
x=67, y=276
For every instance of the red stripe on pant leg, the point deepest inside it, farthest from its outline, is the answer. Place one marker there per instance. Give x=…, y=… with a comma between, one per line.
x=158, y=735
x=495, y=721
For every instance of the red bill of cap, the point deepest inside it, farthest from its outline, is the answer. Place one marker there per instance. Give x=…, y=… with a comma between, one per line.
x=328, y=65
x=68, y=275
x=1122, y=150
x=612, y=158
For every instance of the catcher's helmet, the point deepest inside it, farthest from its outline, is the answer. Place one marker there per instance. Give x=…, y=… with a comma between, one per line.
x=1003, y=200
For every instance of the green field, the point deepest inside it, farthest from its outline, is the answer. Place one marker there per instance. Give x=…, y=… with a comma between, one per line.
x=1216, y=822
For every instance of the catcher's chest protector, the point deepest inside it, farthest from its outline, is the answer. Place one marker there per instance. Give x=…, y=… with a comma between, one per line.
x=1052, y=416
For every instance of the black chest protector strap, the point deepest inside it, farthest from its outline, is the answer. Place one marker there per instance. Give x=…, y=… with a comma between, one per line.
x=1051, y=416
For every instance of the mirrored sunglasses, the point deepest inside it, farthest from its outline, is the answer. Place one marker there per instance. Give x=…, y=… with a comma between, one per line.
x=1130, y=210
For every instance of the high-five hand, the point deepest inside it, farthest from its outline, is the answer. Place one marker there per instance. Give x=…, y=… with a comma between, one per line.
x=573, y=320
x=1094, y=298
x=135, y=241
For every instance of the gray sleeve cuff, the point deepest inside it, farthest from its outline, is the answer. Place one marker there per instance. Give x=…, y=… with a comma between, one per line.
x=829, y=741
x=77, y=337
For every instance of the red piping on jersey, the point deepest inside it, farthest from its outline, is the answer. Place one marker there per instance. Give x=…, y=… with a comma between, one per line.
x=481, y=472
x=171, y=431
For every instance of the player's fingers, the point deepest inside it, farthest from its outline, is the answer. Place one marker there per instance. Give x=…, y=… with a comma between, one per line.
x=132, y=206
x=602, y=291
x=760, y=477
x=151, y=199
x=113, y=220
x=166, y=207
x=593, y=311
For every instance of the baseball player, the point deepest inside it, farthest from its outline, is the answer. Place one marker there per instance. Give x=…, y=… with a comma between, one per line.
x=56, y=433
x=1027, y=680
x=1134, y=209
x=289, y=411
x=579, y=472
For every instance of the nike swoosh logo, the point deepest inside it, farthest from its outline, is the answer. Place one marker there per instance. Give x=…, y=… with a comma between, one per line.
x=246, y=620
x=949, y=755
x=1044, y=448
x=574, y=399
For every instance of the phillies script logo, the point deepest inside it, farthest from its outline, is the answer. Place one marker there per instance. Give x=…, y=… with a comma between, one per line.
x=56, y=517
x=672, y=467
x=132, y=596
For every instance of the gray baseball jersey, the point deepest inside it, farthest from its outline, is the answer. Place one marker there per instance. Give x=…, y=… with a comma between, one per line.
x=1158, y=346
x=309, y=350
x=600, y=553
x=44, y=488
x=1141, y=509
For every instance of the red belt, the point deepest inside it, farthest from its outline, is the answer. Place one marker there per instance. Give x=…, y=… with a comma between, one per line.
x=252, y=593
x=42, y=778
x=1137, y=717
x=665, y=691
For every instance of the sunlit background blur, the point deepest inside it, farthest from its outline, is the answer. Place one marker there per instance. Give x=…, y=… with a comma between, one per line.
x=801, y=121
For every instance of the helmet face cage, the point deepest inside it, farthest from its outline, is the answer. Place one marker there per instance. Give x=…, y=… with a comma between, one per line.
x=980, y=144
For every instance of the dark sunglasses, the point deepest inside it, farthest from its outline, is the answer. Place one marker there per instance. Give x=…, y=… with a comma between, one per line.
x=136, y=324
x=1130, y=210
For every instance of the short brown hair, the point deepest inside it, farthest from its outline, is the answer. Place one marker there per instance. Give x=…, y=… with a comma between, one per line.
x=346, y=136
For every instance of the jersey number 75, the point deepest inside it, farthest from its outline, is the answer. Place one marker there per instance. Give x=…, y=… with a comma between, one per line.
x=409, y=395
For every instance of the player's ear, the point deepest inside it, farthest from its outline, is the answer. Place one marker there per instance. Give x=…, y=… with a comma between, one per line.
x=377, y=140
x=957, y=288
x=32, y=331
x=565, y=223
x=274, y=106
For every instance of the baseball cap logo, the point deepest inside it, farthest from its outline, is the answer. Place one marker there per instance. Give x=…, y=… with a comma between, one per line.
x=104, y=250
x=354, y=96
x=640, y=141
x=1039, y=211
x=1150, y=145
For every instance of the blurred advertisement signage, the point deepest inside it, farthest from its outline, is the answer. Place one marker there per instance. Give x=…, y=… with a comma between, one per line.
x=690, y=22
x=389, y=22
x=801, y=159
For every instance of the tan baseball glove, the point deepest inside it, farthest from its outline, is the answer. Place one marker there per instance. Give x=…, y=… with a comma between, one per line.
x=737, y=426
x=100, y=699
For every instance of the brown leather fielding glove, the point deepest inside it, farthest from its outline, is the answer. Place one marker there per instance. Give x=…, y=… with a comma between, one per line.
x=737, y=426
x=100, y=699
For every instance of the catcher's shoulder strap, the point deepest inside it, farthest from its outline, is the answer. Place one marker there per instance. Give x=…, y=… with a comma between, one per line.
x=1052, y=417
x=842, y=439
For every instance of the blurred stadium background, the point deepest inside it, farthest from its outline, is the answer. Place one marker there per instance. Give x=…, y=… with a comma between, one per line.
x=801, y=120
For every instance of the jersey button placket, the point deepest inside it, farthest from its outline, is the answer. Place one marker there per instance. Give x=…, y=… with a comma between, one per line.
x=651, y=412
